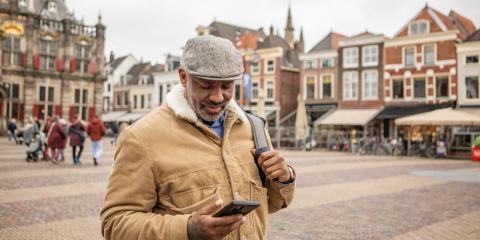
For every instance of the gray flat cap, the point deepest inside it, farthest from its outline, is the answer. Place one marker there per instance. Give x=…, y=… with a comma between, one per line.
x=212, y=58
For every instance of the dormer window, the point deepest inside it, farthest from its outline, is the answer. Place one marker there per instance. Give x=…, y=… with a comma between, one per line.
x=419, y=27
x=52, y=6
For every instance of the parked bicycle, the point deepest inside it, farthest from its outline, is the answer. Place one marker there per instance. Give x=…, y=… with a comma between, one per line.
x=421, y=149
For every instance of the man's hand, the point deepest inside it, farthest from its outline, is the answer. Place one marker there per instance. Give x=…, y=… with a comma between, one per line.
x=273, y=165
x=203, y=226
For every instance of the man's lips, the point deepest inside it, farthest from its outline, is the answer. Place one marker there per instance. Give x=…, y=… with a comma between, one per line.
x=213, y=109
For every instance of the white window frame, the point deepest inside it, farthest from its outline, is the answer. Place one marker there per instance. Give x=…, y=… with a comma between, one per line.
x=404, y=88
x=404, y=56
x=471, y=55
x=315, y=86
x=266, y=65
x=350, y=60
x=413, y=87
x=272, y=87
x=254, y=68
x=331, y=61
x=448, y=87
x=310, y=64
x=424, y=58
x=353, y=86
x=417, y=23
x=367, y=59
x=331, y=85
x=373, y=91
x=465, y=84
x=257, y=88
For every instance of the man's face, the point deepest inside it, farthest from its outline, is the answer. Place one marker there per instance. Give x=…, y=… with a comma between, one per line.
x=208, y=99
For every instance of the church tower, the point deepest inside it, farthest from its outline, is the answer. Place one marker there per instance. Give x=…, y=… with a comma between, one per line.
x=289, y=30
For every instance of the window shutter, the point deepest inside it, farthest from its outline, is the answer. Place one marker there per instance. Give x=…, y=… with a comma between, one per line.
x=36, y=112
x=58, y=110
x=92, y=67
x=72, y=113
x=91, y=113
x=23, y=59
x=59, y=64
x=36, y=62
x=73, y=65
x=21, y=112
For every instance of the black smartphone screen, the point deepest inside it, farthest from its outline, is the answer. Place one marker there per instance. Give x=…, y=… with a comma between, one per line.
x=237, y=207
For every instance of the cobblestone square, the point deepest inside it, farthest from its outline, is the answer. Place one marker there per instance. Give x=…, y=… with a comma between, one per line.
x=339, y=196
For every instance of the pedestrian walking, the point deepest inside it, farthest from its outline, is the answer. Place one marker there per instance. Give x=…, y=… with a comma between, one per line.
x=46, y=127
x=76, y=135
x=96, y=130
x=64, y=125
x=12, y=131
x=56, y=138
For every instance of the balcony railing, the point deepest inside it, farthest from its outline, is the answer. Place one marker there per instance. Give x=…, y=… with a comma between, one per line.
x=75, y=29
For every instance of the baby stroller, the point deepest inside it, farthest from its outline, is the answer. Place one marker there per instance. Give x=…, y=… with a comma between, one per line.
x=35, y=147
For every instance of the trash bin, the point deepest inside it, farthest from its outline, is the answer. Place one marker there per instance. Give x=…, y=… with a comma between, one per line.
x=475, y=153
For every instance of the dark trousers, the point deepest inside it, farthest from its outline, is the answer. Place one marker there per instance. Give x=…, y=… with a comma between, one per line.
x=80, y=149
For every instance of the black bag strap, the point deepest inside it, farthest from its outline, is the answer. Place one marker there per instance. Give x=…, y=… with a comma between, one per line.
x=260, y=141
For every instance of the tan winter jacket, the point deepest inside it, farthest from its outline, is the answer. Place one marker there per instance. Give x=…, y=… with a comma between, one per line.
x=169, y=164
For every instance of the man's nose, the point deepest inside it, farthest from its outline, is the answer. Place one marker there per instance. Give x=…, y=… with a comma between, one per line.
x=216, y=95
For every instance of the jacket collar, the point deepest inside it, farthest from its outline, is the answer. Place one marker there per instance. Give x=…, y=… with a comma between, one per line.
x=178, y=103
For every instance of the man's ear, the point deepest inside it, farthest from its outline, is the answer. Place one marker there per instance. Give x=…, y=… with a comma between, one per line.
x=183, y=77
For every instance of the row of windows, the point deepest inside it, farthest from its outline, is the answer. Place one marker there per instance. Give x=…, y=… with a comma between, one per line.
x=409, y=58
x=369, y=85
x=325, y=84
x=442, y=85
x=269, y=90
x=269, y=67
x=324, y=63
x=142, y=101
x=48, y=51
x=370, y=55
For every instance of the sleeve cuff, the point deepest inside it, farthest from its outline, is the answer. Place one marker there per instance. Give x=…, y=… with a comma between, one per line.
x=178, y=227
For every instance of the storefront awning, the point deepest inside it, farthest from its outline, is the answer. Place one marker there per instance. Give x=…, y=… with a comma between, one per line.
x=112, y=116
x=351, y=117
x=441, y=117
x=393, y=112
x=134, y=116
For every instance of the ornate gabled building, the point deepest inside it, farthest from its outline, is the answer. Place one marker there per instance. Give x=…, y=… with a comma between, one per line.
x=51, y=63
x=271, y=65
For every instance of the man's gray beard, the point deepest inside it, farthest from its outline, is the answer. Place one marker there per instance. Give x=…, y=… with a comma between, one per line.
x=209, y=118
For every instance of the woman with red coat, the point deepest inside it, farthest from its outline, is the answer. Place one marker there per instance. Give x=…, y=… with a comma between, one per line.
x=57, y=139
x=96, y=130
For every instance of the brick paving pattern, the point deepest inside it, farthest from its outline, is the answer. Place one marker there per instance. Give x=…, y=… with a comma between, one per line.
x=340, y=196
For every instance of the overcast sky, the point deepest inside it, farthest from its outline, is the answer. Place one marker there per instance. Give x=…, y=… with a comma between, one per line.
x=149, y=29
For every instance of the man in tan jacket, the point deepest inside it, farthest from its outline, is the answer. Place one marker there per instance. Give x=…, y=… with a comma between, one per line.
x=179, y=164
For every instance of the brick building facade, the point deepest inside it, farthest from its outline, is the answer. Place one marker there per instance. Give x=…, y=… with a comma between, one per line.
x=319, y=76
x=421, y=64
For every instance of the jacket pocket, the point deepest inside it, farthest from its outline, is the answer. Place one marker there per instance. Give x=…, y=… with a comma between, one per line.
x=258, y=220
x=191, y=200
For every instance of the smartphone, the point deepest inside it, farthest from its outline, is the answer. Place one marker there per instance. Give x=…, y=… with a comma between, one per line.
x=237, y=207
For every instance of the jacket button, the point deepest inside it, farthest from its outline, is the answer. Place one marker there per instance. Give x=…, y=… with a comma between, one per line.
x=237, y=194
x=243, y=237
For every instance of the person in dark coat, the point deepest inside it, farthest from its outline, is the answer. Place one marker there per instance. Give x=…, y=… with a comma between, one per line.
x=12, y=131
x=57, y=139
x=76, y=134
